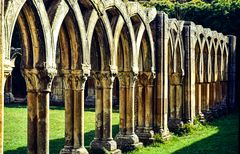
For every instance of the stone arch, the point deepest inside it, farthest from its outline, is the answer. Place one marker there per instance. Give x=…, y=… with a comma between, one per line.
x=38, y=64
x=136, y=12
x=58, y=12
x=175, y=35
x=32, y=13
x=176, y=73
x=146, y=67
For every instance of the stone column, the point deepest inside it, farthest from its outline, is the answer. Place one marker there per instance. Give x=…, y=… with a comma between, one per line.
x=144, y=129
x=141, y=105
x=78, y=85
x=74, y=84
x=175, y=100
x=2, y=48
x=68, y=103
x=190, y=72
x=161, y=59
x=232, y=72
x=103, y=138
x=39, y=88
x=126, y=138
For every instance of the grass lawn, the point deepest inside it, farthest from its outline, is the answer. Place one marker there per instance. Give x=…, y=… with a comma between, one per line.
x=220, y=136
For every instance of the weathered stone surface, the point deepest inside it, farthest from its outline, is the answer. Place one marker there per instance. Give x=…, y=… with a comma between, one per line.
x=195, y=70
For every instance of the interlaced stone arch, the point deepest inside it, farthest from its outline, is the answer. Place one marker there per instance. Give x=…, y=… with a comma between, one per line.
x=176, y=72
x=111, y=40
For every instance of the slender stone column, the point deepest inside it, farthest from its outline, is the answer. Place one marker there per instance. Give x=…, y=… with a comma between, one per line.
x=32, y=121
x=126, y=138
x=203, y=97
x=103, y=139
x=207, y=96
x=179, y=102
x=145, y=108
x=74, y=84
x=39, y=87
x=68, y=95
x=175, y=100
x=5, y=73
x=2, y=82
x=211, y=100
x=141, y=107
x=199, y=101
x=78, y=85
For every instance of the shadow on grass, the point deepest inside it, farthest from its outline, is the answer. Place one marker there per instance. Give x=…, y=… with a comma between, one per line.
x=57, y=144
x=224, y=142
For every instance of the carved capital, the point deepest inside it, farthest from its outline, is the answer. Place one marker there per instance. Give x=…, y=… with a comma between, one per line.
x=78, y=79
x=74, y=79
x=104, y=79
x=176, y=78
x=127, y=79
x=146, y=78
x=39, y=80
x=67, y=79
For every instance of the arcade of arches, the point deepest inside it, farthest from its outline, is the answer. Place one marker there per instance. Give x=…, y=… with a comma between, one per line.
x=163, y=71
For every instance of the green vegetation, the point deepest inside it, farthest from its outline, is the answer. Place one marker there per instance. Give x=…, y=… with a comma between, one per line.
x=220, y=15
x=220, y=136
x=15, y=128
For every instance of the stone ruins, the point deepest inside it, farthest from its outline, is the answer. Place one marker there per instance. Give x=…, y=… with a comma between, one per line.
x=163, y=71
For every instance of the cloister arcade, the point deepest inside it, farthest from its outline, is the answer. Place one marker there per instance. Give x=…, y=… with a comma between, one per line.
x=167, y=71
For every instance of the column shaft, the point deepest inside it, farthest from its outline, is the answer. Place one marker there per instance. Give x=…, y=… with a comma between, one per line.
x=122, y=110
x=43, y=122
x=107, y=113
x=32, y=122
x=99, y=113
x=148, y=106
x=140, y=107
x=68, y=95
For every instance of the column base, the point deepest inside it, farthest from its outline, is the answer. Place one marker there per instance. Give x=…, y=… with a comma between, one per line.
x=208, y=115
x=165, y=134
x=81, y=150
x=214, y=111
x=173, y=124
x=201, y=117
x=109, y=146
x=128, y=142
x=71, y=150
x=145, y=135
x=66, y=150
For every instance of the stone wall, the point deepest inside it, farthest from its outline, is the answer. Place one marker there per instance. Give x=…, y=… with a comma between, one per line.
x=168, y=71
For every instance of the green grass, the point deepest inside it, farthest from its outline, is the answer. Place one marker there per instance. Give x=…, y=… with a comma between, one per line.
x=220, y=136
x=15, y=128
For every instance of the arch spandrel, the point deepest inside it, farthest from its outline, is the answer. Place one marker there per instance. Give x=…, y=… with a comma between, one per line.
x=39, y=13
x=58, y=14
x=121, y=8
x=94, y=18
x=12, y=11
x=135, y=9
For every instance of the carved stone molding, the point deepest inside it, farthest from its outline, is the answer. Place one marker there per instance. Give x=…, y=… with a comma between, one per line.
x=146, y=78
x=104, y=79
x=74, y=79
x=127, y=79
x=176, y=79
x=39, y=80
